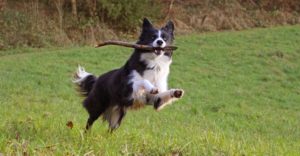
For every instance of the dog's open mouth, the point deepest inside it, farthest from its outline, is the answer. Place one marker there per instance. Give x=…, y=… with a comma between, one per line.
x=158, y=51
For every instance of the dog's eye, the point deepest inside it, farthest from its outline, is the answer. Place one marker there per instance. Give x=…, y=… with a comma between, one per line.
x=154, y=37
x=164, y=37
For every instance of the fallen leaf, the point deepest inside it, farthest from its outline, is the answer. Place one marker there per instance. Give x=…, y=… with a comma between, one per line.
x=70, y=124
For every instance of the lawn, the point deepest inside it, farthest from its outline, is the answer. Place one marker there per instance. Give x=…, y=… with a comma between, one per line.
x=242, y=97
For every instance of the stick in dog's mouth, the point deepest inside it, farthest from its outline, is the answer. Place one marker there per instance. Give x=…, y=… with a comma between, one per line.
x=136, y=46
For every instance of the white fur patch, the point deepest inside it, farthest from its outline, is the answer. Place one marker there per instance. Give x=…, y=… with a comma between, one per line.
x=158, y=76
x=139, y=83
x=140, y=86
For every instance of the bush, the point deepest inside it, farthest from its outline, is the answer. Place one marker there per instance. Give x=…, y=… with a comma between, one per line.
x=124, y=15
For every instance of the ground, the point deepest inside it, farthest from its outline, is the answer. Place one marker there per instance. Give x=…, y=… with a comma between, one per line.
x=242, y=96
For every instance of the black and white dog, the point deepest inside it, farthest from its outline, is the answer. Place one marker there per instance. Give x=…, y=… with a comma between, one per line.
x=142, y=80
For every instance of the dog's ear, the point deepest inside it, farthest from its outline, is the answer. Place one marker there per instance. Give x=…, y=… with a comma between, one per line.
x=146, y=24
x=169, y=27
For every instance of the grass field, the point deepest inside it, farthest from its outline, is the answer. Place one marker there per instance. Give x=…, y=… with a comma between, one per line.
x=242, y=97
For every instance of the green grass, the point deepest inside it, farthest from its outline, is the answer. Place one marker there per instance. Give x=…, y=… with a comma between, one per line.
x=242, y=97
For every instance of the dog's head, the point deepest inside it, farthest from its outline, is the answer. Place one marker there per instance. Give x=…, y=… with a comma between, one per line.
x=156, y=37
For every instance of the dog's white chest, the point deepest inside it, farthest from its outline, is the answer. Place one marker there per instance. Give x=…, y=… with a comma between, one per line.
x=157, y=72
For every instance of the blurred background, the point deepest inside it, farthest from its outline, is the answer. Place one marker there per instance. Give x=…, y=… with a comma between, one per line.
x=47, y=23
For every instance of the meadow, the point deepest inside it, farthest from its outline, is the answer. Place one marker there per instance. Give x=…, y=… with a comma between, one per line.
x=242, y=97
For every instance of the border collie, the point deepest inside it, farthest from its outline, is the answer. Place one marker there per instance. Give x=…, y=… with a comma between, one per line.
x=141, y=81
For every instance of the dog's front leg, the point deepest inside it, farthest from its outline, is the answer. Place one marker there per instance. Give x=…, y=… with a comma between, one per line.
x=146, y=85
x=141, y=88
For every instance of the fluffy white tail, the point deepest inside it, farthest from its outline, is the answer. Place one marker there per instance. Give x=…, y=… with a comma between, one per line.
x=84, y=81
x=80, y=75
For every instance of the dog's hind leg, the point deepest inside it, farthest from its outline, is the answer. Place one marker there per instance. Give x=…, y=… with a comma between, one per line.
x=160, y=100
x=114, y=116
x=93, y=116
x=94, y=110
x=90, y=121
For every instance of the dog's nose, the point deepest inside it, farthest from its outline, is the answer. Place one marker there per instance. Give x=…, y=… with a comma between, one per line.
x=159, y=42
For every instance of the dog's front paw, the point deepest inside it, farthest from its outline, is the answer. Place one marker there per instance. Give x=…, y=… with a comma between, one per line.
x=154, y=91
x=177, y=93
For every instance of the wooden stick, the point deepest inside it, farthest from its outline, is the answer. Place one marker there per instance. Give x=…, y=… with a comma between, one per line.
x=133, y=45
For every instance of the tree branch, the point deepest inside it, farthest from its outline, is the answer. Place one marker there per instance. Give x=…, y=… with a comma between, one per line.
x=133, y=45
